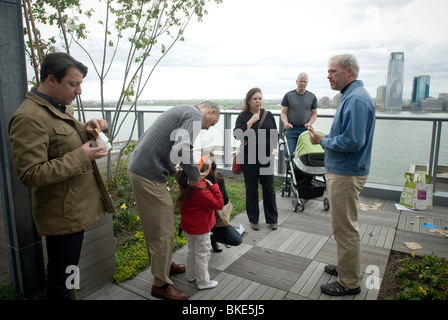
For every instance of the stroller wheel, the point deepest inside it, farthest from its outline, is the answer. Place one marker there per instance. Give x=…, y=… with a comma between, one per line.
x=326, y=204
x=301, y=205
x=298, y=204
x=295, y=205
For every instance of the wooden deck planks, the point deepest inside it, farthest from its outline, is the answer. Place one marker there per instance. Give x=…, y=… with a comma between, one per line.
x=5, y=278
x=113, y=292
x=430, y=244
x=415, y=221
x=288, y=263
x=227, y=256
x=273, y=268
x=308, y=279
x=309, y=223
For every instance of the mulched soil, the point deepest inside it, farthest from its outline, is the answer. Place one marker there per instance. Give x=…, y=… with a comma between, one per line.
x=390, y=286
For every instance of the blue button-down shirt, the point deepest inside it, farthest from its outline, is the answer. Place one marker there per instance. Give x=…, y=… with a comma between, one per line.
x=348, y=146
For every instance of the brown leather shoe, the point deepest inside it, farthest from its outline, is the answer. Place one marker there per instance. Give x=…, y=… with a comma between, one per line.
x=171, y=293
x=177, y=268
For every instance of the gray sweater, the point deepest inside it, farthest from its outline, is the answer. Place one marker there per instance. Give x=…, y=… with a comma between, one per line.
x=168, y=142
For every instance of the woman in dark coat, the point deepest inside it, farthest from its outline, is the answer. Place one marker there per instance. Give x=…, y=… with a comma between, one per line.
x=257, y=143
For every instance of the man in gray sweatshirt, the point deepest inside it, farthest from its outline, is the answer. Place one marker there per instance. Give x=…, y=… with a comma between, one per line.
x=168, y=142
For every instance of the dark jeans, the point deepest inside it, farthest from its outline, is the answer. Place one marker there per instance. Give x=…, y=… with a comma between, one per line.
x=227, y=235
x=62, y=251
x=292, y=135
x=251, y=177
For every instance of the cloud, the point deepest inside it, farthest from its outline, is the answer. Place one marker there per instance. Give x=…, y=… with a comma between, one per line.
x=380, y=3
x=243, y=44
x=258, y=43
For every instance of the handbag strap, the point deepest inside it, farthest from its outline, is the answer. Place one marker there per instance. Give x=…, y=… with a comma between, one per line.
x=259, y=125
x=262, y=119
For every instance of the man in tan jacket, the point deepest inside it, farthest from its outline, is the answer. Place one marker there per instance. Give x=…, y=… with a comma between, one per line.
x=54, y=157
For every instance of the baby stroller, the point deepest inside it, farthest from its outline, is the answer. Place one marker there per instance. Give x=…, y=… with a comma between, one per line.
x=305, y=173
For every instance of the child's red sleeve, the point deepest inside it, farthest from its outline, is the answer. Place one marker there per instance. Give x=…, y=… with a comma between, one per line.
x=213, y=198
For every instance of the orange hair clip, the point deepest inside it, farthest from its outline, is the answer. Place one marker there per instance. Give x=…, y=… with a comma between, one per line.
x=201, y=162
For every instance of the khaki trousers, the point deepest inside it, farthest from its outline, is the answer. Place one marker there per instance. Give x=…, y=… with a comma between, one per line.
x=343, y=192
x=156, y=211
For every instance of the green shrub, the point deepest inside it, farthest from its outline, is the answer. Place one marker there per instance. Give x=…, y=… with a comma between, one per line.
x=423, y=279
x=131, y=257
x=7, y=292
x=128, y=218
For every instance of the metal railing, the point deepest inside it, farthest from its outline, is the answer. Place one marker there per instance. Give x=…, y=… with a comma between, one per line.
x=437, y=121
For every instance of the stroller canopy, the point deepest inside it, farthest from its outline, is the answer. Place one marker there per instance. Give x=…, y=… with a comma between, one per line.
x=304, y=145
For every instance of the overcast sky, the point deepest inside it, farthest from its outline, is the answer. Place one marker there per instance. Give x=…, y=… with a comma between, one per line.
x=264, y=43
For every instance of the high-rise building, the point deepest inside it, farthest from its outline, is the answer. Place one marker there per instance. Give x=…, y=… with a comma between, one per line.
x=420, y=91
x=380, y=97
x=395, y=79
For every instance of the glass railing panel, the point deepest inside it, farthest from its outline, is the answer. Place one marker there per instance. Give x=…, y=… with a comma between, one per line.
x=399, y=144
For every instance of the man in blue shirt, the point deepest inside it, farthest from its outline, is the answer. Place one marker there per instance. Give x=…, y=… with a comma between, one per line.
x=348, y=150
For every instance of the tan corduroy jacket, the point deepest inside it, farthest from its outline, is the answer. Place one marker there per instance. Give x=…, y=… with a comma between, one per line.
x=67, y=189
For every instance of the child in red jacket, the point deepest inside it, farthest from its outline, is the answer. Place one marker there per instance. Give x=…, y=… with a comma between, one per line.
x=197, y=217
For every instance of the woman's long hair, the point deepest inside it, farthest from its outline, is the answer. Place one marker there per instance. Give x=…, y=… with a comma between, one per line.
x=249, y=95
x=214, y=175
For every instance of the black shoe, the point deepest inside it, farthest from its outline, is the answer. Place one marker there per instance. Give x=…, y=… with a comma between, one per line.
x=335, y=289
x=331, y=269
x=215, y=245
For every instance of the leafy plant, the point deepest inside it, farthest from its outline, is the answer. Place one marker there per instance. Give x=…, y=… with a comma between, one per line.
x=423, y=279
x=236, y=191
x=7, y=292
x=129, y=219
x=131, y=257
